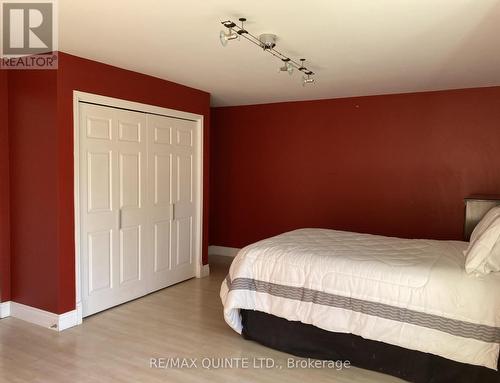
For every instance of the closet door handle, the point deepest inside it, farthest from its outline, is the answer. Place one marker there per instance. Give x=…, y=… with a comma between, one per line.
x=120, y=219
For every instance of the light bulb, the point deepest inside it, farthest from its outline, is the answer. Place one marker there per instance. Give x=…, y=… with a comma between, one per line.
x=307, y=80
x=225, y=37
x=287, y=67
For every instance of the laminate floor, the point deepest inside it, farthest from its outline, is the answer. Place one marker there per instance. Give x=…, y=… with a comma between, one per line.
x=182, y=321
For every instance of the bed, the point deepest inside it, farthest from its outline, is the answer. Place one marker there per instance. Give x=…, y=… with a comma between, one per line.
x=381, y=295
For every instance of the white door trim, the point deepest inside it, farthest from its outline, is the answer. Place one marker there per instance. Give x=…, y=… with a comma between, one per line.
x=198, y=184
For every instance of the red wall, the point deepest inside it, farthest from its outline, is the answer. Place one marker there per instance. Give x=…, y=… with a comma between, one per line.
x=33, y=188
x=42, y=178
x=396, y=165
x=4, y=191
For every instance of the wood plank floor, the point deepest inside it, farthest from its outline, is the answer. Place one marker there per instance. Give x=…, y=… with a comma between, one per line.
x=116, y=345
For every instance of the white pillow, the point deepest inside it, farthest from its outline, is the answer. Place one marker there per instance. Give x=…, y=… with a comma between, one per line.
x=480, y=257
x=484, y=224
x=492, y=264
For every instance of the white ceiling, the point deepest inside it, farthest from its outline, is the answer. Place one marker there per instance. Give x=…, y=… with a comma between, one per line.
x=356, y=47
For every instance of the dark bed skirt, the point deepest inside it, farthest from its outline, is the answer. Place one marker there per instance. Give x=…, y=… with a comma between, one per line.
x=308, y=341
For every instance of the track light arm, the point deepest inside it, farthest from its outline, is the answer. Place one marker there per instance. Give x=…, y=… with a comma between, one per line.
x=272, y=50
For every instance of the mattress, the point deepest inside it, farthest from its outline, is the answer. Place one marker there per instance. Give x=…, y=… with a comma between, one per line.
x=405, y=292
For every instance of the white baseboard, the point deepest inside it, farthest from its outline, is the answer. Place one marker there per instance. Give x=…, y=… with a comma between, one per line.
x=79, y=313
x=222, y=250
x=5, y=309
x=204, y=271
x=67, y=320
x=44, y=318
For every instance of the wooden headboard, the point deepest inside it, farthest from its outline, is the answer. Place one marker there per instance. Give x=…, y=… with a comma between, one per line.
x=475, y=209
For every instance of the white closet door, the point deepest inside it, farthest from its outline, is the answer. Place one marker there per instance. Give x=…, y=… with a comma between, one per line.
x=171, y=160
x=137, y=204
x=113, y=207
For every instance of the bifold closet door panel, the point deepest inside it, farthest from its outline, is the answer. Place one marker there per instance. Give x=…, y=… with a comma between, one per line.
x=184, y=194
x=171, y=152
x=113, y=206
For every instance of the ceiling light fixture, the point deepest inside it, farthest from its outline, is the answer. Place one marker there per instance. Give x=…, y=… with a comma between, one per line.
x=307, y=80
x=267, y=42
x=287, y=67
x=225, y=37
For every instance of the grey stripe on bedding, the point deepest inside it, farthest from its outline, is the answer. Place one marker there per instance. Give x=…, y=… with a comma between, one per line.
x=451, y=326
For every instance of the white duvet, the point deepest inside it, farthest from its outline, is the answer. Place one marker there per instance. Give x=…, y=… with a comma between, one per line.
x=410, y=293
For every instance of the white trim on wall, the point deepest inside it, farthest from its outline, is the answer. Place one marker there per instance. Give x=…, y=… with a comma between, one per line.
x=205, y=271
x=5, y=309
x=39, y=317
x=223, y=250
x=201, y=270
